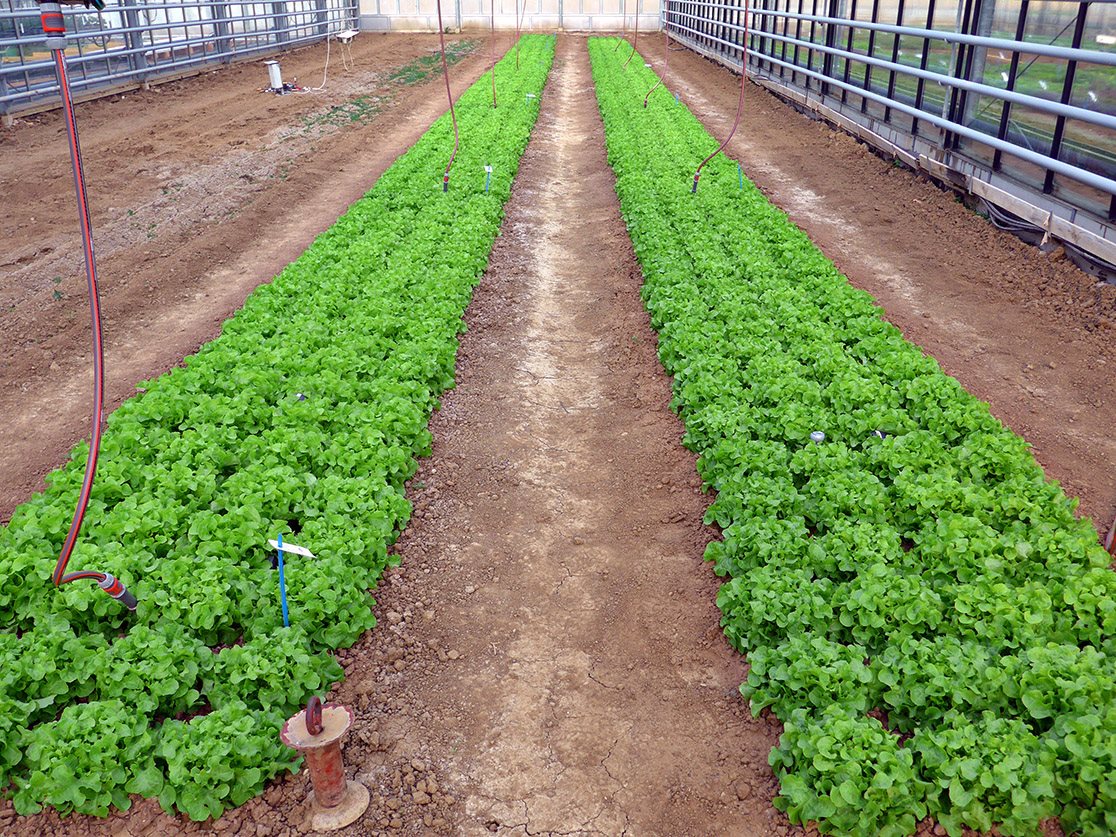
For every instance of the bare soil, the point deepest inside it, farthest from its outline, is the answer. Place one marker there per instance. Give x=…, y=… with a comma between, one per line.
x=200, y=190
x=1027, y=332
x=549, y=658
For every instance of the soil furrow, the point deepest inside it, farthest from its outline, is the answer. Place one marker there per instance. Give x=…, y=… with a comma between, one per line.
x=555, y=564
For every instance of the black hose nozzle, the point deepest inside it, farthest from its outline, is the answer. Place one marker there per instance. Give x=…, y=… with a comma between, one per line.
x=112, y=585
x=445, y=183
x=693, y=191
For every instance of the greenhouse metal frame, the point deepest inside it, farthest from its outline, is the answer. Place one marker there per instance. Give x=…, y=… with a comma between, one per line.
x=1014, y=102
x=133, y=42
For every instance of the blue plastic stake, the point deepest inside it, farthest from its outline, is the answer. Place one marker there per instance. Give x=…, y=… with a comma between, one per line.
x=676, y=98
x=283, y=585
x=487, y=177
x=740, y=175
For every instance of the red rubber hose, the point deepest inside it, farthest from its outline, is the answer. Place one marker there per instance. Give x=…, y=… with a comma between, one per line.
x=635, y=37
x=54, y=27
x=449, y=95
x=666, y=54
x=98, y=343
x=739, y=102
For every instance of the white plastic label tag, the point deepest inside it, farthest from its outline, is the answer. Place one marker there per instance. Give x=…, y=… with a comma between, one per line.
x=290, y=547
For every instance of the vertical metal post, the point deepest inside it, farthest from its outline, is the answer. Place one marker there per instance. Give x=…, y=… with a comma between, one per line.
x=5, y=117
x=221, y=24
x=833, y=10
x=279, y=21
x=322, y=16
x=951, y=107
x=1067, y=94
x=921, y=86
x=871, y=52
x=983, y=12
x=1013, y=71
x=848, y=48
x=137, y=59
x=894, y=59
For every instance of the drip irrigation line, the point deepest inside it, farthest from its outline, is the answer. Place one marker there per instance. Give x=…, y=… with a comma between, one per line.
x=635, y=37
x=666, y=53
x=55, y=29
x=739, y=101
x=449, y=95
x=346, y=62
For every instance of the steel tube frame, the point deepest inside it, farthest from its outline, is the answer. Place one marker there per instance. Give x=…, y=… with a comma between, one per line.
x=1095, y=181
x=1053, y=107
x=1089, y=56
x=284, y=24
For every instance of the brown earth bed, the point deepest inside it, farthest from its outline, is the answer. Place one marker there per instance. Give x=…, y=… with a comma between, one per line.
x=548, y=658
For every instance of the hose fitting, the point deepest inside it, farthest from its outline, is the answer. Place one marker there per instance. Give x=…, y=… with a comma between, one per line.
x=113, y=586
x=693, y=191
x=445, y=182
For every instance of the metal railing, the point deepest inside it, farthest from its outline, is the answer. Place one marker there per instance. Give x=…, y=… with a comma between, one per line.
x=135, y=41
x=1015, y=98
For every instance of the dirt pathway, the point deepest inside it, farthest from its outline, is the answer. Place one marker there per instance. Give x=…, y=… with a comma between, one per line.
x=200, y=190
x=560, y=664
x=1027, y=332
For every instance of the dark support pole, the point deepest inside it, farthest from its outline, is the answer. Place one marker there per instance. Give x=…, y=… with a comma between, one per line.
x=956, y=100
x=981, y=24
x=4, y=116
x=833, y=10
x=279, y=19
x=924, y=63
x=871, y=52
x=221, y=24
x=136, y=57
x=894, y=59
x=848, y=48
x=1013, y=72
x=1067, y=94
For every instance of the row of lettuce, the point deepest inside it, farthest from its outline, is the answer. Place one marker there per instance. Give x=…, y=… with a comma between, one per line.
x=920, y=607
x=304, y=418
